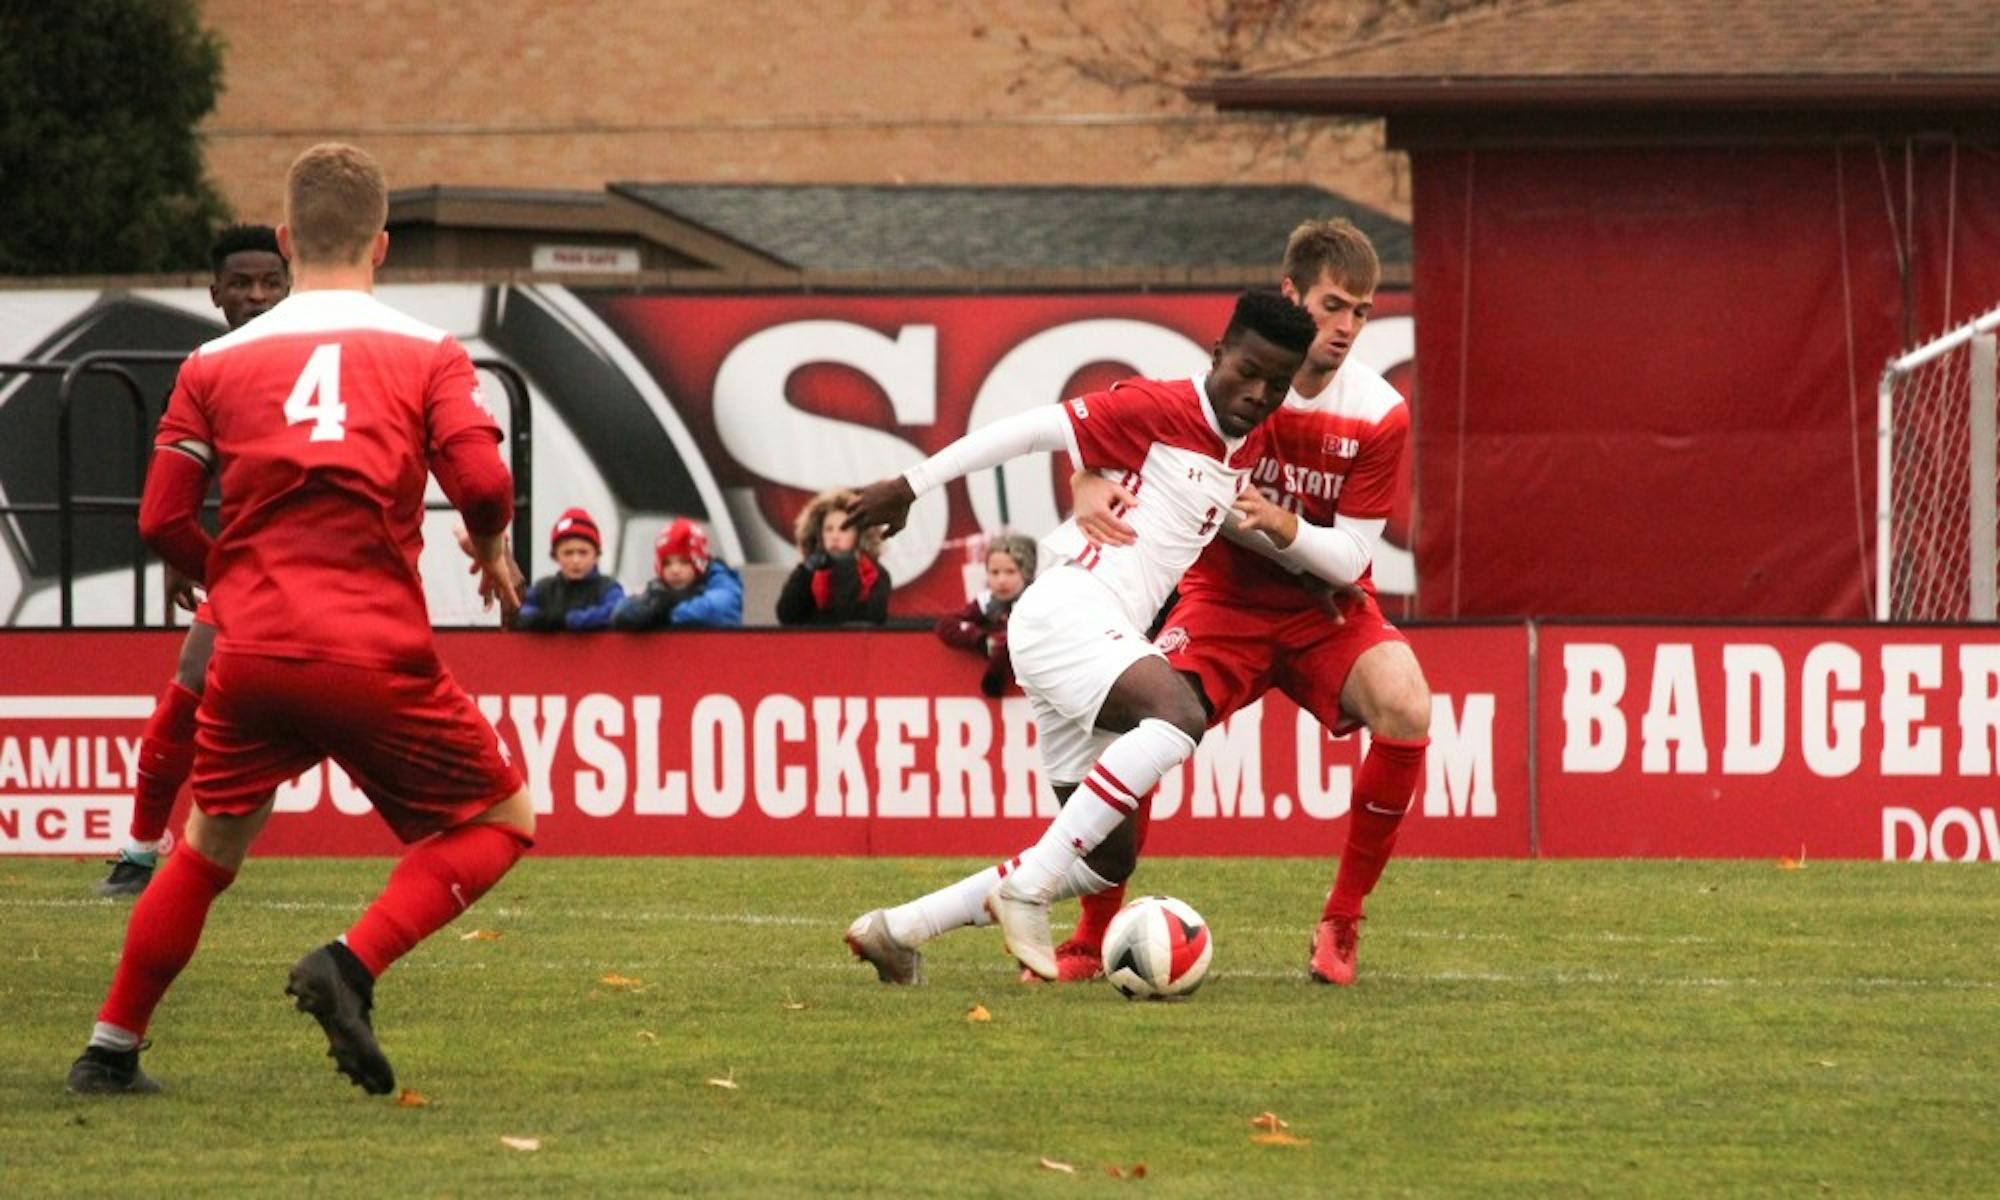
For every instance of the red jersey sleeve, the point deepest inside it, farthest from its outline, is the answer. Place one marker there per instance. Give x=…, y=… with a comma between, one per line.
x=1114, y=429
x=185, y=419
x=453, y=404
x=1371, y=483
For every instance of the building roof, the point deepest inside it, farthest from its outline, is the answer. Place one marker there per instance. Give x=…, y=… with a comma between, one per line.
x=970, y=228
x=1727, y=54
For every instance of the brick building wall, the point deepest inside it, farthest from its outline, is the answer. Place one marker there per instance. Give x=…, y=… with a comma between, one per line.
x=577, y=93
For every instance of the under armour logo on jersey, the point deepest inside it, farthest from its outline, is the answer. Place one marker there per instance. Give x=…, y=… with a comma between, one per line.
x=479, y=398
x=1194, y=473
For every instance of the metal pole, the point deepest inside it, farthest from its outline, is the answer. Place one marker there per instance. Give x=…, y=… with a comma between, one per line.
x=1982, y=525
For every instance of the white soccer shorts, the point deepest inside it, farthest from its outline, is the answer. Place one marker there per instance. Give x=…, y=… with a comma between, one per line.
x=1070, y=641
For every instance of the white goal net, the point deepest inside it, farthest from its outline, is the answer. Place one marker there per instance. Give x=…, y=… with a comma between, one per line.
x=1938, y=480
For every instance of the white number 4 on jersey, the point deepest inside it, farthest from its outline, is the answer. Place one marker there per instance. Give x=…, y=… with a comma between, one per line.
x=316, y=396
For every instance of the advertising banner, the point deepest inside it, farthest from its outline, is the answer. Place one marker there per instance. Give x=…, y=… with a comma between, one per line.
x=1745, y=741
x=778, y=743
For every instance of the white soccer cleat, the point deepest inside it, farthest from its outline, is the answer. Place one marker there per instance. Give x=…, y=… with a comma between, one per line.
x=872, y=943
x=1024, y=923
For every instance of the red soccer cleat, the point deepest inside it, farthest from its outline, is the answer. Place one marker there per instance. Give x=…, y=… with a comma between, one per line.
x=1333, y=948
x=1076, y=962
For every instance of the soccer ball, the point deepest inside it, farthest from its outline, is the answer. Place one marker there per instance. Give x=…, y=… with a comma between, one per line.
x=1157, y=948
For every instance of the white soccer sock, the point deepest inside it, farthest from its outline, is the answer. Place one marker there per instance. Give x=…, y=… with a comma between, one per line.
x=1079, y=880
x=111, y=1037
x=136, y=848
x=953, y=906
x=1115, y=788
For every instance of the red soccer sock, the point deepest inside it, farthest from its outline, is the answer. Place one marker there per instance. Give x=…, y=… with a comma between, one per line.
x=434, y=883
x=161, y=936
x=166, y=755
x=1382, y=792
x=1100, y=907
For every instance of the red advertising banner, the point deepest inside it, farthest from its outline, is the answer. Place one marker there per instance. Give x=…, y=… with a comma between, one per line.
x=1733, y=742
x=778, y=743
x=786, y=394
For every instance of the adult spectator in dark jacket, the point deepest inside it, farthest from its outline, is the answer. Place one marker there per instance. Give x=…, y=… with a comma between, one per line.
x=840, y=578
x=689, y=589
x=576, y=596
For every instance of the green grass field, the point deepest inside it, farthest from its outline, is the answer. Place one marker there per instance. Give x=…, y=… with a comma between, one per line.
x=1520, y=1029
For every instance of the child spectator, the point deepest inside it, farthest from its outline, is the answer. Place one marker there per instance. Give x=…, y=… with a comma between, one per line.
x=576, y=596
x=981, y=626
x=841, y=578
x=688, y=589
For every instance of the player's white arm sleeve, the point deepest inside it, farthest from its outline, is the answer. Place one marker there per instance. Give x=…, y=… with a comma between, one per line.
x=1043, y=427
x=1336, y=554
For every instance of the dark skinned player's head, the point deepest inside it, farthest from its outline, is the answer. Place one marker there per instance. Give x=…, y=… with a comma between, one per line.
x=250, y=276
x=1255, y=359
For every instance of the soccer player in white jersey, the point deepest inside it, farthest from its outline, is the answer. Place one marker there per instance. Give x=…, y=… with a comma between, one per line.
x=1112, y=716
x=1244, y=624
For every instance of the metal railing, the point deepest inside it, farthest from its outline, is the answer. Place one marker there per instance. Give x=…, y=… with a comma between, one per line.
x=112, y=364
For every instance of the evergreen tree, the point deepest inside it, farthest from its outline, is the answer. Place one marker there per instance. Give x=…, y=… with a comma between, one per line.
x=100, y=159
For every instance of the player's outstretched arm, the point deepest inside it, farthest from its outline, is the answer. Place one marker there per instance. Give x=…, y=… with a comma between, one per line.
x=1098, y=505
x=1337, y=554
x=887, y=502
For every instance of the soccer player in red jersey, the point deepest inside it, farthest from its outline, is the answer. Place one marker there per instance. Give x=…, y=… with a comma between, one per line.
x=1111, y=715
x=1245, y=624
x=324, y=418
x=250, y=277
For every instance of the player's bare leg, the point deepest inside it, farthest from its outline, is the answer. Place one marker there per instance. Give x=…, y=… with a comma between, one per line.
x=1387, y=691
x=160, y=938
x=437, y=880
x=1159, y=721
x=166, y=755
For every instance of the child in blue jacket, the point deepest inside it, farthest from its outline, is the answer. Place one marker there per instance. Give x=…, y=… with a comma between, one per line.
x=689, y=589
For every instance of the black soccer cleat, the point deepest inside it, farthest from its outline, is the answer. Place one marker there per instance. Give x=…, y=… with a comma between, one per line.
x=101, y=1072
x=129, y=876
x=332, y=985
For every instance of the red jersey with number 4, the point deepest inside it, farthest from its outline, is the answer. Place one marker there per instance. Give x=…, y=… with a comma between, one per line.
x=1161, y=441
x=323, y=414
x=1337, y=453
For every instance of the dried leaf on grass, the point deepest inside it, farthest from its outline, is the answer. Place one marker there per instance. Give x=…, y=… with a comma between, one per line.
x=1269, y=1120
x=411, y=1098
x=1135, y=1171
x=727, y=1083
x=978, y=1013
x=794, y=1004
x=613, y=979
x=648, y=1036
x=1279, y=1139
x=1050, y=1164
x=523, y=1144
x=1788, y=863
x=480, y=935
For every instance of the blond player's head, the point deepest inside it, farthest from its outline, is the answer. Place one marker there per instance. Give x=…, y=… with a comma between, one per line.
x=1335, y=248
x=336, y=204
x=1331, y=271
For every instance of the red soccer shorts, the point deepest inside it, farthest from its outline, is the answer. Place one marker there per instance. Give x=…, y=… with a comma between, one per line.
x=415, y=744
x=1239, y=654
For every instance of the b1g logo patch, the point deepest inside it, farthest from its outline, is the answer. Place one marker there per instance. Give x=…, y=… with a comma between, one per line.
x=1082, y=410
x=1171, y=640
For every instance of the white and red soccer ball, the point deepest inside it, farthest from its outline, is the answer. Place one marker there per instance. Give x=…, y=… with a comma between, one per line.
x=1157, y=948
